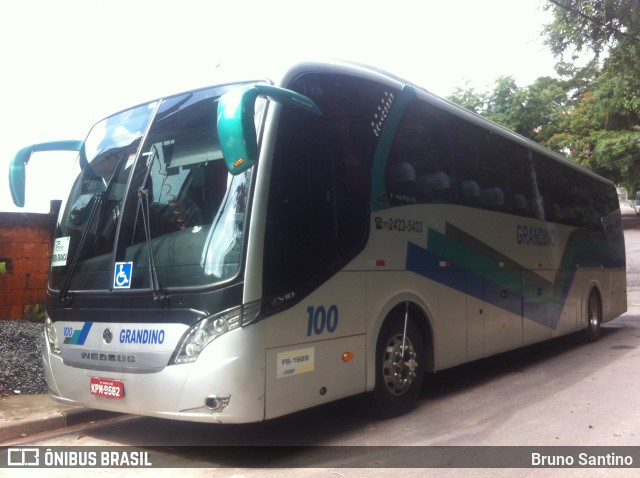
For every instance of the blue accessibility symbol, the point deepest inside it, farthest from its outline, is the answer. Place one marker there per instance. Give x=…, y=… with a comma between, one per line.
x=122, y=275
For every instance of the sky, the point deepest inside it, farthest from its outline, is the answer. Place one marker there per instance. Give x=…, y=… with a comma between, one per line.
x=65, y=64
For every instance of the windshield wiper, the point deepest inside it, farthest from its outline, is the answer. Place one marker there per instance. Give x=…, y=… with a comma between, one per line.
x=65, y=297
x=100, y=198
x=159, y=294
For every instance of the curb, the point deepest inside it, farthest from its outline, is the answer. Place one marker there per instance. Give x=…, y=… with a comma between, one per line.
x=34, y=421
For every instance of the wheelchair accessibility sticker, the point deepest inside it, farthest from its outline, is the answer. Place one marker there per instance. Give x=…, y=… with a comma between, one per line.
x=122, y=275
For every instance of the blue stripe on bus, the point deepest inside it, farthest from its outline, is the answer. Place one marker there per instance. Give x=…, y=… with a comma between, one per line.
x=85, y=332
x=461, y=262
x=427, y=264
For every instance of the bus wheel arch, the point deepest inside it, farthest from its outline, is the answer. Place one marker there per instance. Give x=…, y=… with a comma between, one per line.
x=594, y=313
x=399, y=372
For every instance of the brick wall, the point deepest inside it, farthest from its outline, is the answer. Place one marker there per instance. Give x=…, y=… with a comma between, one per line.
x=25, y=250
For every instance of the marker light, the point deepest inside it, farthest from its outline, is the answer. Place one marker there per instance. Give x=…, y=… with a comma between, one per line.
x=347, y=356
x=52, y=336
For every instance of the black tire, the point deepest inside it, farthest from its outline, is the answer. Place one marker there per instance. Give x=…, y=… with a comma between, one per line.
x=594, y=317
x=398, y=378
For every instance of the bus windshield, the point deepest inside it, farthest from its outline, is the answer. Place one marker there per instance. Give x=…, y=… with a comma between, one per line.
x=154, y=201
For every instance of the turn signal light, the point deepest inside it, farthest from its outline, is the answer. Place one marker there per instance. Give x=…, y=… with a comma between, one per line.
x=347, y=356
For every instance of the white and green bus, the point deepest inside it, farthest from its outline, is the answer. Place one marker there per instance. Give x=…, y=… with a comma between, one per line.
x=240, y=252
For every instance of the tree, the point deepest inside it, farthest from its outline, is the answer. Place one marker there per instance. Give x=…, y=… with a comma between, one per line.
x=594, y=26
x=468, y=98
x=530, y=111
x=602, y=129
x=591, y=113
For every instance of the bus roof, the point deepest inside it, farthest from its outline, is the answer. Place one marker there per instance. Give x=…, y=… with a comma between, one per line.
x=281, y=74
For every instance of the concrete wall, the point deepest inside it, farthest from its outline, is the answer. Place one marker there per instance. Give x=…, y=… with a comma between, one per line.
x=25, y=251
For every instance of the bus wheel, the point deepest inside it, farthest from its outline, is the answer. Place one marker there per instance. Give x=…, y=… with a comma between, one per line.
x=594, y=317
x=399, y=372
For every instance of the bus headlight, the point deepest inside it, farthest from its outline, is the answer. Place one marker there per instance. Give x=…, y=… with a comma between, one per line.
x=203, y=333
x=51, y=336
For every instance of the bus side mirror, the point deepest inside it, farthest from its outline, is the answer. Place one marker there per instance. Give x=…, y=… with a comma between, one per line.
x=18, y=165
x=236, y=123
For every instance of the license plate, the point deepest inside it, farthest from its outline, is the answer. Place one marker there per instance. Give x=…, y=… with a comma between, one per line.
x=105, y=387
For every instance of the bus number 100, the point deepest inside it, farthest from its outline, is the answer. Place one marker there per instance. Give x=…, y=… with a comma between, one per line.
x=320, y=318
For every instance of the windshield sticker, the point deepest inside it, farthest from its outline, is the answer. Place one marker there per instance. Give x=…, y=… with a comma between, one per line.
x=294, y=362
x=130, y=160
x=122, y=275
x=60, y=251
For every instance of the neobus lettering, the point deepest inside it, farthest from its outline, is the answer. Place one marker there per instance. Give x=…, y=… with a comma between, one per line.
x=108, y=357
x=535, y=236
x=141, y=336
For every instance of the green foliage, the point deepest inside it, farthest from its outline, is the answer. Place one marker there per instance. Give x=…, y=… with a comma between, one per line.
x=617, y=153
x=468, y=98
x=618, y=86
x=592, y=113
x=530, y=111
x=590, y=25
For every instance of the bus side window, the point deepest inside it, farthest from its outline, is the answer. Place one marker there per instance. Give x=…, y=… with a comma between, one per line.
x=481, y=164
x=419, y=167
x=522, y=187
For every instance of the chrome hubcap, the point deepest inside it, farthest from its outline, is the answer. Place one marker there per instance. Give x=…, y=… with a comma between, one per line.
x=399, y=367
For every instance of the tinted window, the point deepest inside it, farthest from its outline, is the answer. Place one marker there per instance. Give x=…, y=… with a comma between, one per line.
x=482, y=162
x=436, y=157
x=420, y=165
